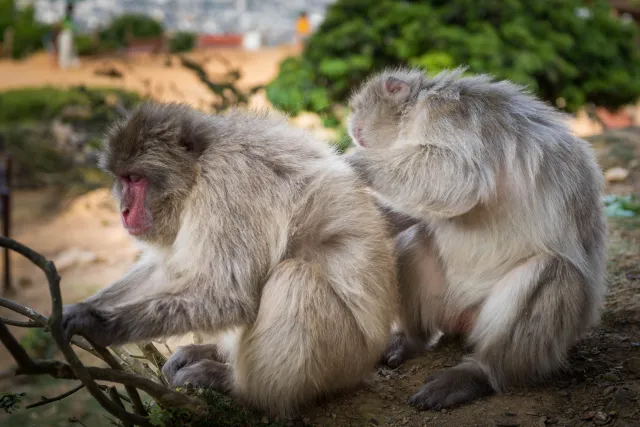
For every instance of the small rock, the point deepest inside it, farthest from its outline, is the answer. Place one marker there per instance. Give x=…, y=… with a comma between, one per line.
x=623, y=395
x=306, y=420
x=373, y=422
x=265, y=420
x=587, y=416
x=609, y=390
x=633, y=364
x=616, y=174
x=510, y=414
x=563, y=393
x=610, y=376
x=551, y=420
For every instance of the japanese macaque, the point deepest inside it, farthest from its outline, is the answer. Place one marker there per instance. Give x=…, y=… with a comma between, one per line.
x=502, y=235
x=252, y=226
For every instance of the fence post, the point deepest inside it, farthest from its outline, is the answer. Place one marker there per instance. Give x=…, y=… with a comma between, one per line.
x=5, y=196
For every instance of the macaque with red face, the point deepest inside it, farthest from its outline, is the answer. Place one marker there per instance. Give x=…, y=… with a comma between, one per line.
x=249, y=226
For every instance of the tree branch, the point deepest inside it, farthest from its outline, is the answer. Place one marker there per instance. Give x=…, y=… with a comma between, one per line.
x=55, y=399
x=14, y=347
x=21, y=323
x=55, y=325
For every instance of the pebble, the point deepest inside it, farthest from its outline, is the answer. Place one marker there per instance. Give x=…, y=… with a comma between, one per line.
x=623, y=395
x=609, y=389
x=610, y=376
x=616, y=174
x=563, y=393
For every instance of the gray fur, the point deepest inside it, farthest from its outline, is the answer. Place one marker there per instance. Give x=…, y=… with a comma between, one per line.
x=510, y=244
x=258, y=230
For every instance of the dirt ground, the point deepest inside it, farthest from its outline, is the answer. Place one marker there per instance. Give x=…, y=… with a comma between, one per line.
x=600, y=387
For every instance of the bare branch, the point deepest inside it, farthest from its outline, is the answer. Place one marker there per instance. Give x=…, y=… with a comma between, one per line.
x=43, y=321
x=163, y=395
x=55, y=325
x=115, y=396
x=131, y=391
x=14, y=347
x=21, y=323
x=55, y=399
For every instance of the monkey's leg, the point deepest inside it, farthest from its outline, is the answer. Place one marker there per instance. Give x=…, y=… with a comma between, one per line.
x=304, y=343
x=422, y=287
x=522, y=333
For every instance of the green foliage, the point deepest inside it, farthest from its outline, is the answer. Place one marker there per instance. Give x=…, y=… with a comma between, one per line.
x=10, y=402
x=134, y=25
x=622, y=206
x=550, y=46
x=222, y=411
x=45, y=103
x=182, y=42
x=39, y=343
x=28, y=34
x=25, y=125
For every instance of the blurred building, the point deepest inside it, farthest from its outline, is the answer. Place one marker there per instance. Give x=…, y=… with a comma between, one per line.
x=274, y=19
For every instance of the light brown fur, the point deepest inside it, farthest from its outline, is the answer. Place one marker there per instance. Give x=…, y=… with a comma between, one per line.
x=257, y=229
x=507, y=243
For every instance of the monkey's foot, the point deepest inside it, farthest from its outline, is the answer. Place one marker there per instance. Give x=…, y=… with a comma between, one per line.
x=188, y=355
x=208, y=374
x=399, y=350
x=451, y=388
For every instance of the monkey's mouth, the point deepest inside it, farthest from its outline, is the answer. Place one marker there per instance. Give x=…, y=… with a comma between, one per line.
x=137, y=231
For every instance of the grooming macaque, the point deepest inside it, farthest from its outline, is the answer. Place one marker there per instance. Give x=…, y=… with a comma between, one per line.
x=253, y=226
x=508, y=240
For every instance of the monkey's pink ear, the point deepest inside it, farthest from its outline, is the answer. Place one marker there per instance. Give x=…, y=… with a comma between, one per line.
x=395, y=88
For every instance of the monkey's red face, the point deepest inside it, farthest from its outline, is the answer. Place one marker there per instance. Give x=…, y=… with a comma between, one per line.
x=136, y=218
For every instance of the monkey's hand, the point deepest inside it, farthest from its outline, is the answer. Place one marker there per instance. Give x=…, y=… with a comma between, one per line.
x=88, y=321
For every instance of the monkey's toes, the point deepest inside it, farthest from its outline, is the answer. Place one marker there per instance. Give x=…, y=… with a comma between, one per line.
x=451, y=388
x=398, y=351
x=207, y=374
x=188, y=355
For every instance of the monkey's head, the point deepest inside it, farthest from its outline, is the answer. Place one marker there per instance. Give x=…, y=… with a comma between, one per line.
x=153, y=156
x=377, y=107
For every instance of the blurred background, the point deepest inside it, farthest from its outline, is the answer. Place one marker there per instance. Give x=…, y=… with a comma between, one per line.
x=69, y=68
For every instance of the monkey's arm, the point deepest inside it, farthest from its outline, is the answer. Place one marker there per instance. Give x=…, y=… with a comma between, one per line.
x=425, y=180
x=133, y=282
x=397, y=222
x=153, y=317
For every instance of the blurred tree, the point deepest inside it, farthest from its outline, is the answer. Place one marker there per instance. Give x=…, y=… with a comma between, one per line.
x=27, y=32
x=569, y=52
x=182, y=42
x=117, y=33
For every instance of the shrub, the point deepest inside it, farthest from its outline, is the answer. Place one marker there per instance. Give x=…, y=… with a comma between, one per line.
x=567, y=51
x=138, y=26
x=45, y=103
x=182, y=42
x=28, y=34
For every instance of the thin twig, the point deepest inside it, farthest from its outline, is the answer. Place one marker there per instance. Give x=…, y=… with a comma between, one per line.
x=106, y=355
x=14, y=347
x=43, y=321
x=115, y=396
x=21, y=323
x=55, y=325
x=55, y=399
x=122, y=396
x=163, y=395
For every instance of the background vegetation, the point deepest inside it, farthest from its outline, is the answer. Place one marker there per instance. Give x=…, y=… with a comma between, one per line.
x=565, y=52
